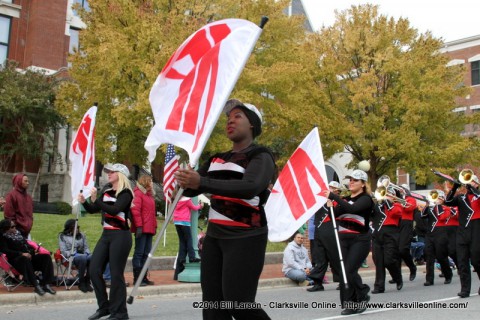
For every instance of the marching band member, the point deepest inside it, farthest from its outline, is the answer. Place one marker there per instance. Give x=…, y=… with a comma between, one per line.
x=406, y=232
x=324, y=244
x=386, y=220
x=436, y=241
x=353, y=215
x=468, y=232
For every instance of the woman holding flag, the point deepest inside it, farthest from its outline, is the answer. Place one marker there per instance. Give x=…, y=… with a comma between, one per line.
x=115, y=242
x=353, y=215
x=234, y=247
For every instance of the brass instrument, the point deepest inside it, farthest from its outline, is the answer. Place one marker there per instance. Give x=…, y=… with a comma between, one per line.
x=382, y=193
x=466, y=176
x=386, y=182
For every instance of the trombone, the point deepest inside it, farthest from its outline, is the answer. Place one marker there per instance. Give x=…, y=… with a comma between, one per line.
x=381, y=195
x=384, y=181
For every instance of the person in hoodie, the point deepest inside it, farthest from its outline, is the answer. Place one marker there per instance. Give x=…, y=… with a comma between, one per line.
x=181, y=219
x=144, y=225
x=296, y=263
x=19, y=205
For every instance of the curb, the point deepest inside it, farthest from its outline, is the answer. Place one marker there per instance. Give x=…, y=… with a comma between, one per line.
x=171, y=290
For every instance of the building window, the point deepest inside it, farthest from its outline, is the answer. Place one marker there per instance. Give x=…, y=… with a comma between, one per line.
x=4, y=37
x=73, y=40
x=475, y=72
x=83, y=4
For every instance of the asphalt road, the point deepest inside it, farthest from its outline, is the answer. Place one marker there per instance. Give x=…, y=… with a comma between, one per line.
x=414, y=300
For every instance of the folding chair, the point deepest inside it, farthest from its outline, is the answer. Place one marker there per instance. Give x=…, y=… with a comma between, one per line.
x=11, y=278
x=69, y=280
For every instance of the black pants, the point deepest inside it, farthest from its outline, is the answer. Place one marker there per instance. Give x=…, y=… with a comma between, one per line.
x=386, y=255
x=436, y=247
x=355, y=249
x=39, y=262
x=113, y=247
x=404, y=241
x=326, y=251
x=468, y=251
x=230, y=270
x=452, y=243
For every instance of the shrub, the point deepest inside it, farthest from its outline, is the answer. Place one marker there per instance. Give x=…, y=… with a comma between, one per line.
x=63, y=208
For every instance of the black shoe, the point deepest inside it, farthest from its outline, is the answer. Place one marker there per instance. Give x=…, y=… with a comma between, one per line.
x=316, y=287
x=375, y=291
x=194, y=260
x=89, y=287
x=399, y=285
x=392, y=281
x=83, y=287
x=118, y=317
x=462, y=294
x=428, y=283
x=448, y=281
x=38, y=290
x=413, y=274
x=148, y=282
x=98, y=314
x=364, y=304
x=441, y=275
x=49, y=289
x=347, y=312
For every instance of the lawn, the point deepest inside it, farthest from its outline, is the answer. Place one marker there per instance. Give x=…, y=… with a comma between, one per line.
x=46, y=228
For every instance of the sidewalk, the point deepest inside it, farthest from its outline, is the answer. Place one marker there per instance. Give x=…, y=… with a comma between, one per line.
x=271, y=277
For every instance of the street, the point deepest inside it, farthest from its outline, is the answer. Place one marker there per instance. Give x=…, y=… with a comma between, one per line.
x=289, y=303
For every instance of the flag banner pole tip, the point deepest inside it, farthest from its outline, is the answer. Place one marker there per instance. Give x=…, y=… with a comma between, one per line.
x=263, y=22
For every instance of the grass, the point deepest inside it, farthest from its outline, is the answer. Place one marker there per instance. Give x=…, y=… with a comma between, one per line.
x=46, y=228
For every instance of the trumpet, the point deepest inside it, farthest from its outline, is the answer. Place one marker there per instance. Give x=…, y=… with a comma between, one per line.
x=384, y=181
x=381, y=195
x=433, y=196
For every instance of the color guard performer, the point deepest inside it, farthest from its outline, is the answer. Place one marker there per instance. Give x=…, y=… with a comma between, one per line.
x=324, y=245
x=468, y=232
x=386, y=219
x=436, y=241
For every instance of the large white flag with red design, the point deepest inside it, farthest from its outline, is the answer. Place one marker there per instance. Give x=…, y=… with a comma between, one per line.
x=298, y=191
x=82, y=156
x=189, y=94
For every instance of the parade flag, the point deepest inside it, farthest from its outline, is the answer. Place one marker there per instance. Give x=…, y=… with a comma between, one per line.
x=171, y=165
x=189, y=94
x=82, y=156
x=298, y=191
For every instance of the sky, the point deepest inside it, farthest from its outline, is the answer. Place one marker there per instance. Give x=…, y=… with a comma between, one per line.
x=450, y=20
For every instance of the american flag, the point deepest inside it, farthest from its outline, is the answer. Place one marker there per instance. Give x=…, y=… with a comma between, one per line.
x=171, y=165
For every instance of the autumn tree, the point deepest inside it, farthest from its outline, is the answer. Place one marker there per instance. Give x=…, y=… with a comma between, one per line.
x=127, y=43
x=27, y=115
x=390, y=95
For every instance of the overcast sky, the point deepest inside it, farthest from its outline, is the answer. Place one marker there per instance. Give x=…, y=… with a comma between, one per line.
x=450, y=20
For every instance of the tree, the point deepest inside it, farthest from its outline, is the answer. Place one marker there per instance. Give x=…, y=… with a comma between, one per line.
x=127, y=43
x=27, y=114
x=390, y=95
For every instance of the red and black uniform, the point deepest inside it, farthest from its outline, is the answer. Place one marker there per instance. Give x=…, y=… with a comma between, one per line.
x=406, y=234
x=436, y=242
x=386, y=220
x=468, y=234
x=233, y=251
x=325, y=246
x=452, y=225
x=353, y=219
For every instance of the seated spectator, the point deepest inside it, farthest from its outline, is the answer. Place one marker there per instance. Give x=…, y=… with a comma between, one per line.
x=25, y=258
x=81, y=253
x=296, y=263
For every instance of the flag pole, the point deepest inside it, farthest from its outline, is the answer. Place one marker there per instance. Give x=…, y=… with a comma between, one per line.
x=193, y=163
x=168, y=217
x=78, y=206
x=343, y=285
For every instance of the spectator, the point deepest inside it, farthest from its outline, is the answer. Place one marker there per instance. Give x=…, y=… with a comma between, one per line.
x=19, y=205
x=25, y=258
x=181, y=219
x=296, y=263
x=81, y=253
x=144, y=225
